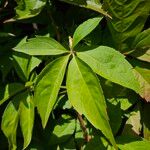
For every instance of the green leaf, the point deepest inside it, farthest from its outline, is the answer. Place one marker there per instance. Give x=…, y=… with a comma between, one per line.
x=84, y=29
x=48, y=85
x=145, y=110
x=21, y=62
x=89, y=4
x=141, y=45
x=96, y=143
x=112, y=110
x=69, y=145
x=41, y=46
x=5, y=63
x=111, y=65
x=63, y=130
x=128, y=20
x=142, y=72
x=10, y=123
x=142, y=54
x=27, y=9
x=144, y=80
x=26, y=113
x=86, y=96
x=133, y=124
x=132, y=143
x=10, y=90
x=144, y=84
x=34, y=62
x=142, y=39
x=10, y=120
x=118, y=95
x=24, y=64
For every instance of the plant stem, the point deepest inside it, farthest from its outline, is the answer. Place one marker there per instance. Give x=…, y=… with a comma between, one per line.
x=84, y=129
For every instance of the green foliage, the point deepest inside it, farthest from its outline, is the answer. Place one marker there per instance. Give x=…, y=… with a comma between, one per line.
x=85, y=94
x=141, y=46
x=27, y=9
x=47, y=45
x=26, y=111
x=128, y=20
x=89, y=4
x=132, y=145
x=10, y=123
x=111, y=65
x=84, y=29
x=47, y=87
x=74, y=78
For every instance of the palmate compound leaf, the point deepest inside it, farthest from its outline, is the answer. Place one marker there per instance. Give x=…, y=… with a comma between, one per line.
x=86, y=96
x=112, y=65
x=84, y=29
x=26, y=113
x=48, y=85
x=41, y=46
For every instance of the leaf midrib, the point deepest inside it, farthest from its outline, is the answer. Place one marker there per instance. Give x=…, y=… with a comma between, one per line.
x=87, y=86
x=54, y=87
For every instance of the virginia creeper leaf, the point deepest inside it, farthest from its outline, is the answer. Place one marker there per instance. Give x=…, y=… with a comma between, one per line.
x=10, y=120
x=89, y=4
x=133, y=125
x=10, y=90
x=142, y=39
x=27, y=9
x=21, y=65
x=5, y=60
x=118, y=95
x=142, y=54
x=24, y=64
x=84, y=29
x=142, y=72
x=142, y=75
x=63, y=130
x=132, y=143
x=33, y=63
x=111, y=65
x=86, y=96
x=41, y=46
x=97, y=143
x=10, y=123
x=26, y=114
x=128, y=20
x=48, y=85
x=112, y=110
x=141, y=45
x=145, y=110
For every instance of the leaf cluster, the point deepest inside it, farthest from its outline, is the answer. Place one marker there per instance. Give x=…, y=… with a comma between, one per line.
x=74, y=74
